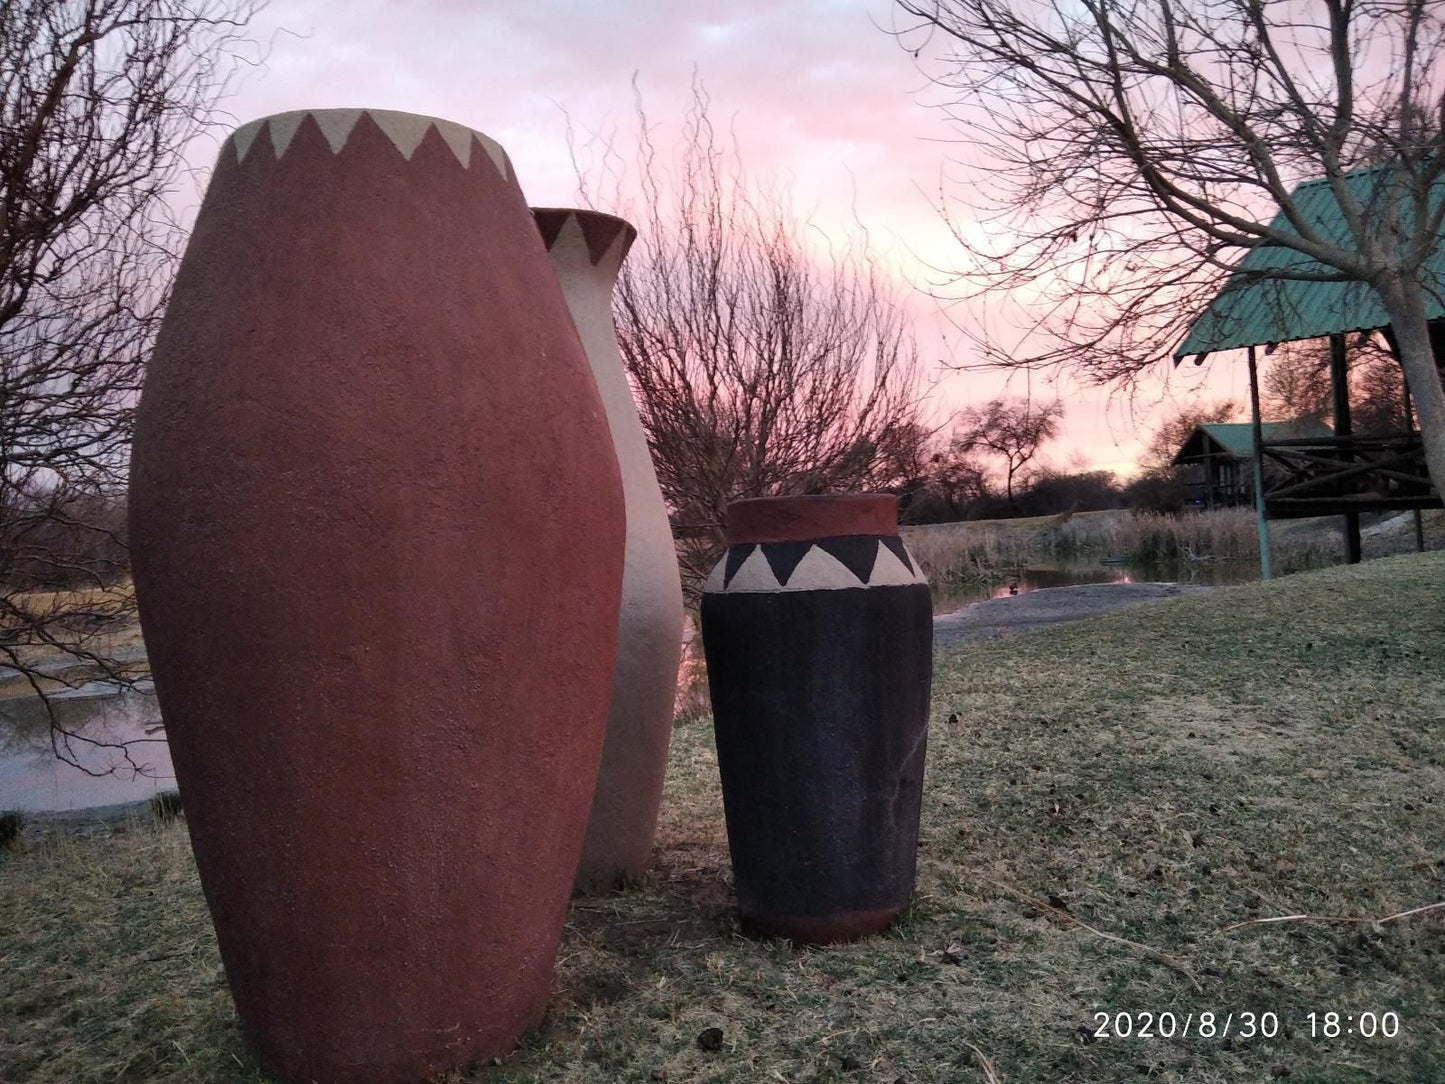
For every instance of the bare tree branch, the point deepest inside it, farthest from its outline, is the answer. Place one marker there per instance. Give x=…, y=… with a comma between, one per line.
x=1139, y=148
x=760, y=367
x=98, y=101
x=1013, y=431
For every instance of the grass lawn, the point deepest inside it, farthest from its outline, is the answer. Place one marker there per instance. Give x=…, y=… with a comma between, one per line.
x=1104, y=802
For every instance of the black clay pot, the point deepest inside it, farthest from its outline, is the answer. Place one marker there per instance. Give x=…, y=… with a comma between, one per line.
x=818, y=631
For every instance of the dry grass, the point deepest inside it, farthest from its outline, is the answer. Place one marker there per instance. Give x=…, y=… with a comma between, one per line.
x=988, y=550
x=109, y=968
x=39, y=628
x=693, y=703
x=41, y=602
x=1104, y=801
x=64, y=632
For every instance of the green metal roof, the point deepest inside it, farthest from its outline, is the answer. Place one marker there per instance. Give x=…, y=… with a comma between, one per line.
x=1253, y=311
x=1237, y=438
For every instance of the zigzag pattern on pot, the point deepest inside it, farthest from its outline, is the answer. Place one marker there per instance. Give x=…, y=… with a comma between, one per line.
x=830, y=564
x=405, y=130
x=599, y=231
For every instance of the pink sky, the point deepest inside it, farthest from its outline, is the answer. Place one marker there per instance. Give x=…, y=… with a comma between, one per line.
x=821, y=99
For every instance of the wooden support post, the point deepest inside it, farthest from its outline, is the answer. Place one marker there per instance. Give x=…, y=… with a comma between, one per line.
x=1354, y=552
x=1340, y=386
x=1266, y=569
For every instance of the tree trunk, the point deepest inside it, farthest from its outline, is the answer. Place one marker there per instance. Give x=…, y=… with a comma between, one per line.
x=1404, y=302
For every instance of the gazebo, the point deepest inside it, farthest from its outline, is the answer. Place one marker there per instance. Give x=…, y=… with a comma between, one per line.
x=1222, y=453
x=1318, y=475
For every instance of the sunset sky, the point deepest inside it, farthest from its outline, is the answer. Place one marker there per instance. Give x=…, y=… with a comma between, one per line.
x=821, y=98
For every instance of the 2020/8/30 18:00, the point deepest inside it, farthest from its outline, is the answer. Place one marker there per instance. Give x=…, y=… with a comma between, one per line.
x=1240, y=1025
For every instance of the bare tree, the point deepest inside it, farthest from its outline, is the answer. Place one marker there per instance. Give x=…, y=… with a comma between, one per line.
x=1296, y=386
x=1143, y=146
x=950, y=485
x=1170, y=435
x=1160, y=485
x=761, y=367
x=99, y=99
x=1013, y=431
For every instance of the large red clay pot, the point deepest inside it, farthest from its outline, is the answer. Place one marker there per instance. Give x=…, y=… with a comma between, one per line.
x=587, y=249
x=377, y=529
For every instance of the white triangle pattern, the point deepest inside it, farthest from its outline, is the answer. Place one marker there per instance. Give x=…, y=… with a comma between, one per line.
x=405, y=130
x=336, y=125
x=571, y=235
x=244, y=136
x=819, y=570
x=755, y=574
x=284, y=127
x=889, y=571
x=714, y=584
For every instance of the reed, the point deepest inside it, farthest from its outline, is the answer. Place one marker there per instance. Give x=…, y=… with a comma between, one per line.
x=11, y=823
x=988, y=551
x=693, y=703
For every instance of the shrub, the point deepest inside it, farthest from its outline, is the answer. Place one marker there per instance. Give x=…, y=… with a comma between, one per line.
x=166, y=806
x=693, y=703
x=11, y=822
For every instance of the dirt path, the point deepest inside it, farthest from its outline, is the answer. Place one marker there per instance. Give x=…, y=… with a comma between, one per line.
x=997, y=617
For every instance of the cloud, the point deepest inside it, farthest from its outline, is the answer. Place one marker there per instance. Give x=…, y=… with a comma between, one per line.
x=819, y=96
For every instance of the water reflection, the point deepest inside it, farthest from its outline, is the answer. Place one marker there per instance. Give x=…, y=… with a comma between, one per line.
x=948, y=597
x=33, y=778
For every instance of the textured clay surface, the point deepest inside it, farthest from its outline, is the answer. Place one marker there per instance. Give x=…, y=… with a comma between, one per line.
x=377, y=528
x=587, y=250
x=829, y=930
x=819, y=654
x=820, y=703
x=798, y=519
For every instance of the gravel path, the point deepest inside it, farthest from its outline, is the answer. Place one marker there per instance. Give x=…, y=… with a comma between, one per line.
x=1049, y=606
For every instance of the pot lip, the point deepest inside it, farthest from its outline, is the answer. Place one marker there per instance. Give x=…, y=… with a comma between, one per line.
x=349, y=111
x=584, y=213
x=600, y=230
x=338, y=122
x=799, y=519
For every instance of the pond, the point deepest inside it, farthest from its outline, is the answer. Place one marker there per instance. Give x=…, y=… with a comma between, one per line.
x=1037, y=576
x=32, y=778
